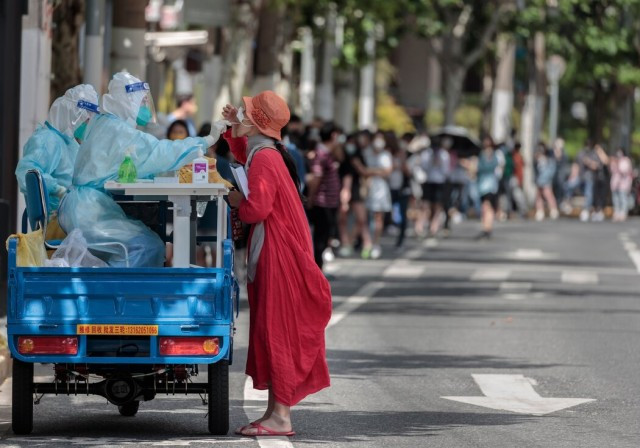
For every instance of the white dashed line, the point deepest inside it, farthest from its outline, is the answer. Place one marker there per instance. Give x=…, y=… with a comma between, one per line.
x=632, y=249
x=580, y=277
x=490, y=274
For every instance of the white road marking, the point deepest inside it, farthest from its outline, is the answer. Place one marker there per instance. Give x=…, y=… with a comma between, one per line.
x=515, y=290
x=631, y=249
x=515, y=393
x=403, y=271
x=490, y=274
x=430, y=243
x=530, y=254
x=580, y=277
x=514, y=296
x=362, y=296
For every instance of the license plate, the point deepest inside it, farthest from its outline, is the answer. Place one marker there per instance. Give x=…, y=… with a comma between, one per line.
x=118, y=330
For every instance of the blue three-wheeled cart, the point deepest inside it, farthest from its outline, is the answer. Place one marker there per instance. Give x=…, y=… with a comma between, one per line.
x=127, y=334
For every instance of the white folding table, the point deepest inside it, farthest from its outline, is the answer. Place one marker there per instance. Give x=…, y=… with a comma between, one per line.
x=182, y=196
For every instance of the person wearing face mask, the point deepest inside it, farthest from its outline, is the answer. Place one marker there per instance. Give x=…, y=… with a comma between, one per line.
x=323, y=193
x=490, y=164
x=352, y=175
x=379, y=168
x=53, y=147
x=110, y=137
x=289, y=297
x=178, y=130
x=399, y=182
x=621, y=169
x=437, y=165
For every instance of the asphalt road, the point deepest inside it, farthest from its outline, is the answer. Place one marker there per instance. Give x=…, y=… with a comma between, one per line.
x=544, y=310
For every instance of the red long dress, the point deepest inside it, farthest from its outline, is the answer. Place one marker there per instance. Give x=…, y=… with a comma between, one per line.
x=290, y=299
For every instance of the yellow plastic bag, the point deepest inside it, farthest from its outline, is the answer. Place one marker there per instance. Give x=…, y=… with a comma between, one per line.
x=31, y=251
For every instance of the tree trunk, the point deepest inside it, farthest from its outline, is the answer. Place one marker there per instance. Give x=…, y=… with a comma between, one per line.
x=65, y=66
x=434, y=81
x=307, y=76
x=366, y=101
x=241, y=32
x=502, y=100
x=324, y=80
x=533, y=113
x=488, y=87
x=269, y=44
x=621, y=123
x=453, y=84
x=345, y=99
x=597, y=118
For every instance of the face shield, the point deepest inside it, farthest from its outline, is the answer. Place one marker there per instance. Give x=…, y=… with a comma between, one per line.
x=140, y=94
x=87, y=109
x=69, y=113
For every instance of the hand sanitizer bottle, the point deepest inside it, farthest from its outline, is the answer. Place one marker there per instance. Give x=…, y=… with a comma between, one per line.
x=127, y=174
x=200, y=169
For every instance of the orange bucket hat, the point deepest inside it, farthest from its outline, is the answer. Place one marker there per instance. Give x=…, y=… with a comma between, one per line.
x=268, y=112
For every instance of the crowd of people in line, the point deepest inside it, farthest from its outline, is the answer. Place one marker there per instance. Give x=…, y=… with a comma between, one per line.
x=361, y=185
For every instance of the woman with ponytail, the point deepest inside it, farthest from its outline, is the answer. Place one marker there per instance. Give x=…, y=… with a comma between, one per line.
x=289, y=297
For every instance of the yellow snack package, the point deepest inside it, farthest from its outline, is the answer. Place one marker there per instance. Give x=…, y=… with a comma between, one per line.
x=185, y=175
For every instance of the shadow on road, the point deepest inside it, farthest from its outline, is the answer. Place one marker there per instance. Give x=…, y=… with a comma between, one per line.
x=352, y=426
x=353, y=362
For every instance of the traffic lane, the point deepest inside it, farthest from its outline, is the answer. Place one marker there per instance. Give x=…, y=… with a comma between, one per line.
x=424, y=347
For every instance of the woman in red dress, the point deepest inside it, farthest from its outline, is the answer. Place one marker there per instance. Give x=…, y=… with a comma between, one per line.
x=289, y=297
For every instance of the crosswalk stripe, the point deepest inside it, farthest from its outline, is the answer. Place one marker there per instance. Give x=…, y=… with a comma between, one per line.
x=490, y=274
x=580, y=277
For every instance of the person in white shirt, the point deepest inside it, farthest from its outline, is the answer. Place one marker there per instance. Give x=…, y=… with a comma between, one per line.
x=379, y=167
x=436, y=164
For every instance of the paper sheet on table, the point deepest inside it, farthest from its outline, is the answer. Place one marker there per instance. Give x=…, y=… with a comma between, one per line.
x=241, y=179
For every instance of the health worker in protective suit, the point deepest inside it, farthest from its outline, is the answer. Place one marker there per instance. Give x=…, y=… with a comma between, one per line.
x=109, y=138
x=53, y=147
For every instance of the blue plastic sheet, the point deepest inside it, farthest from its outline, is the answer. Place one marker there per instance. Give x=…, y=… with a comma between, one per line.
x=88, y=208
x=108, y=231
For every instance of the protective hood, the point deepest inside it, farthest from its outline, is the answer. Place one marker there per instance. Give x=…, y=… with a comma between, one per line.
x=73, y=109
x=129, y=99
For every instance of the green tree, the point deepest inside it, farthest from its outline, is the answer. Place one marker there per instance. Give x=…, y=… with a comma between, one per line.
x=599, y=39
x=460, y=32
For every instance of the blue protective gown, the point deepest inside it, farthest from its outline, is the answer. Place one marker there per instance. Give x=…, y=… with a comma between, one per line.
x=100, y=218
x=54, y=155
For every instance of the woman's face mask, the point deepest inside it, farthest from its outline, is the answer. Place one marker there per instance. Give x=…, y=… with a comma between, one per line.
x=241, y=118
x=79, y=132
x=350, y=148
x=144, y=116
x=379, y=144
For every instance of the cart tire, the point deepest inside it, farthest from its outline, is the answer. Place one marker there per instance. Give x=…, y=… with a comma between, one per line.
x=219, y=398
x=22, y=402
x=129, y=409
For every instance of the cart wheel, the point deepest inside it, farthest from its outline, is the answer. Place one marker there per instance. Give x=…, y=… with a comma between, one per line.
x=219, y=398
x=129, y=409
x=22, y=402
